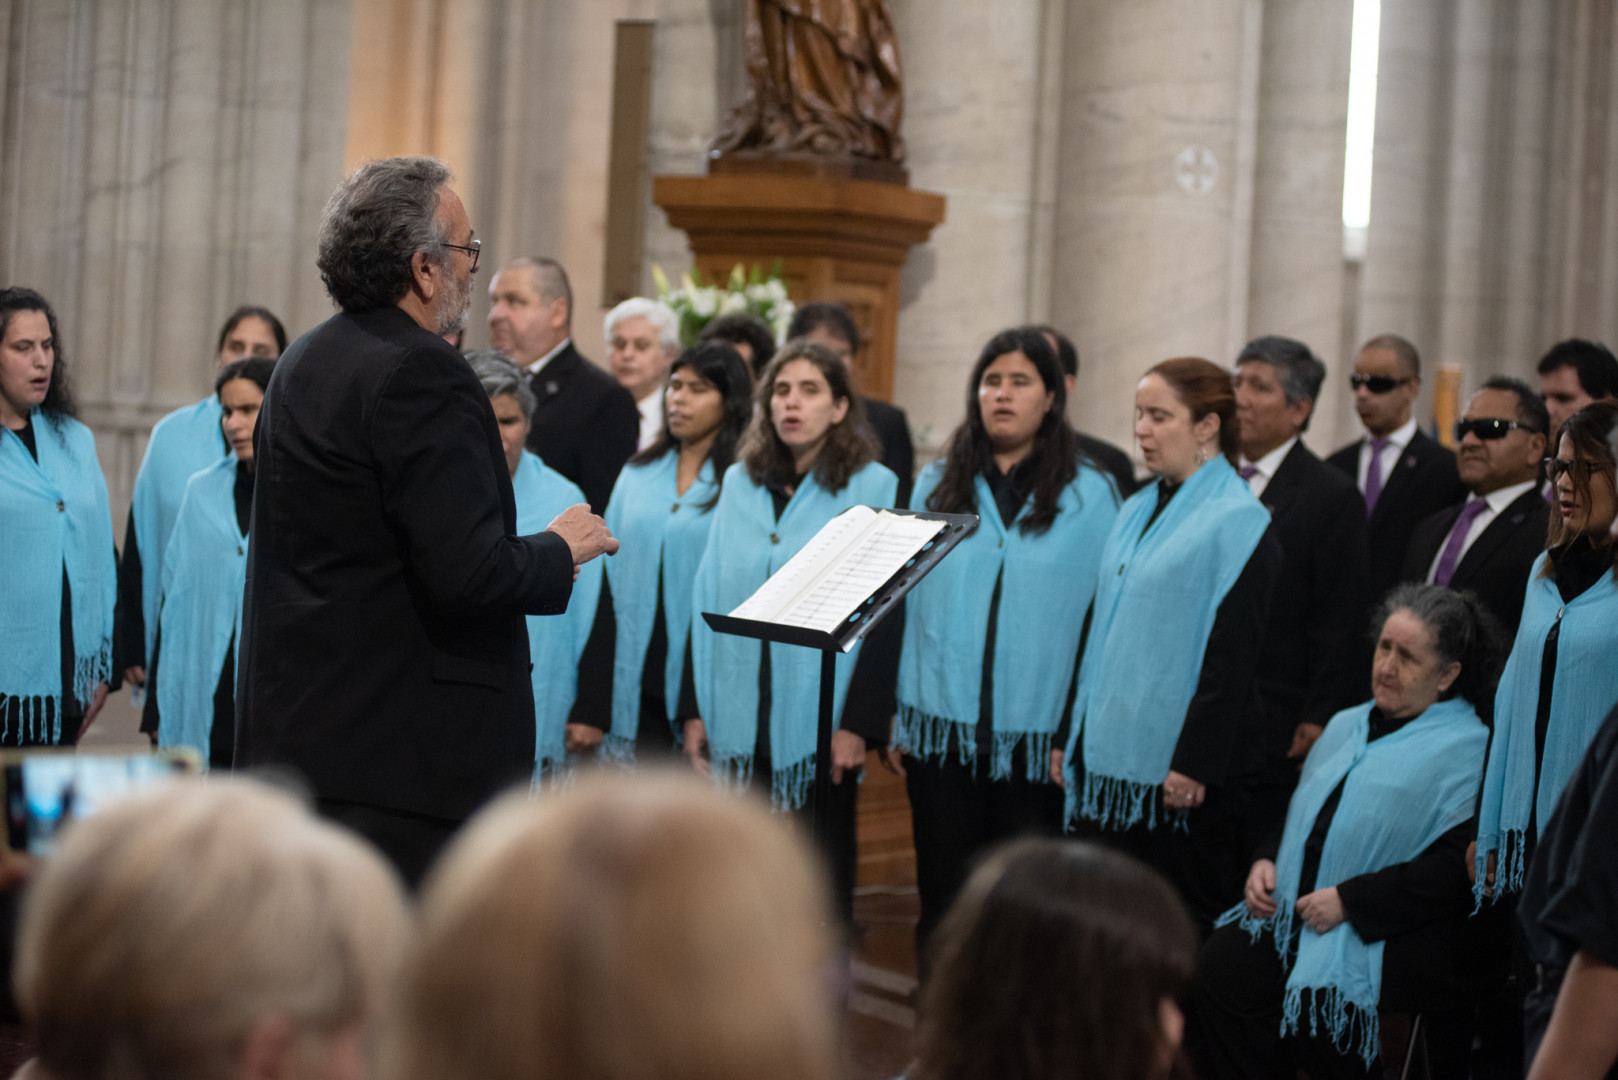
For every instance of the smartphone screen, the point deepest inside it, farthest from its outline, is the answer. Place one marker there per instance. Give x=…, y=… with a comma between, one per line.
x=46, y=790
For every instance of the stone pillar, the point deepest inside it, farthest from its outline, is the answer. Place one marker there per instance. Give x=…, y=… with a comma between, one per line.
x=158, y=157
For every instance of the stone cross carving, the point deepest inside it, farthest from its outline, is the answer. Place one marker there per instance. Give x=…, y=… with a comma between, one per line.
x=824, y=80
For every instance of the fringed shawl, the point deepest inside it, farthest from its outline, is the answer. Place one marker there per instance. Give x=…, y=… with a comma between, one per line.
x=555, y=642
x=54, y=514
x=203, y=572
x=182, y=444
x=1047, y=580
x=1584, y=690
x=660, y=530
x=1155, y=605
x=1402, y=793
x=745, y=546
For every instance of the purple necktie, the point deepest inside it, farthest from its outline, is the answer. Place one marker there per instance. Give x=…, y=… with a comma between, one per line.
x=1373, y=474
x=1247, y=472
x=1457, y=539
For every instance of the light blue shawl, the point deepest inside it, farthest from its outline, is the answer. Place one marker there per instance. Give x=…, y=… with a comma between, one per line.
x=1402, y=793
x=1583, y=691
x=182, y=443
x=202, y=577
x=659, y=529
x=1048, y=581
x=1155, y=605
x=54, y=514
x=745, y=546
x=555, y=642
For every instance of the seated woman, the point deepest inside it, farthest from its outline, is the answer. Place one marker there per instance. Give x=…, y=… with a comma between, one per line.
x=992, y=636
x=806, y=458
x=635, y=667
x=1059, y=958
x=555, y=642
x=206, y=931
x=204, y=568
x=626, y=928
x=1363, y=900
x=1560, y=679
x=1165, y=713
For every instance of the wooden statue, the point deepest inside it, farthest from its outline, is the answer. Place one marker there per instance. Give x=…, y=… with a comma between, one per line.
x=825, y=81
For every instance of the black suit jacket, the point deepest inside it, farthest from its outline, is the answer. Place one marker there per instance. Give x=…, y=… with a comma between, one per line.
x=585, y=425
x=1497, y=564
x=892, y=430
x=1422, y=482
x=1113, y=461
x=1309, y=665
x=384, y=653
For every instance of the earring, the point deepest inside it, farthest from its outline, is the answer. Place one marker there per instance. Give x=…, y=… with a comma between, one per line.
x=1202, y=456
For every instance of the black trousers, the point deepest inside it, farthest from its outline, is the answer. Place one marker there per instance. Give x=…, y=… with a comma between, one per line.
x=1233, y=1015
x=956, y=813
x=411, y=842
x=1202, y=858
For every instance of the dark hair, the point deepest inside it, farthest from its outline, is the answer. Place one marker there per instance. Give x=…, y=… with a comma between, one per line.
x=1403, y=348
x=1587, y=430
x=255, y=369
x=1301, y=372
x=1531, y=411
x=1597, y=367
x=374, y=223
x=1067, y=354
x=1464, y=632
x=743, y=330
x=821, y=315
x=252, y=311
x=1204, y=387
x=1052, y=463
x=59, y=400
x=723, y=366
x=1053, y=961
x=849, y=444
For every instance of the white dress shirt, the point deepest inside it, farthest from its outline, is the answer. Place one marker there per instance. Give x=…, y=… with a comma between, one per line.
x=1264, y=467
x=1398, y=439
x=538, y=365
x=651, y=419
x=1496, y=502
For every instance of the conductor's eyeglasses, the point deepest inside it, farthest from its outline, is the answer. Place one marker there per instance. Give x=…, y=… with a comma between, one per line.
x=474, y=249
x=1487, y=429
x=1376, y=384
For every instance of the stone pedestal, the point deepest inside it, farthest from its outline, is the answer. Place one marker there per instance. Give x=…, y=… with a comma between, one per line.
x=839, y=240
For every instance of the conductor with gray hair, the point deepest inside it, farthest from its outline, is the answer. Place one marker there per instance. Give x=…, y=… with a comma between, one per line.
x=1311, y=663
x=384, y=652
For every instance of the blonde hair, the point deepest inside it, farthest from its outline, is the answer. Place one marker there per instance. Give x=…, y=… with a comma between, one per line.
x=170, y=923
x=621, y=929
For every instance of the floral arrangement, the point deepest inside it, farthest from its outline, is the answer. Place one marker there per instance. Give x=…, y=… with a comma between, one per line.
x=755, y=293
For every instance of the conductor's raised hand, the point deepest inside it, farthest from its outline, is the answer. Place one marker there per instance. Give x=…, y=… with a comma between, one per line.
x=586, y=534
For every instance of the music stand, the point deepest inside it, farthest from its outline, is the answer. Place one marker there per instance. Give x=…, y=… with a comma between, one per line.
x=855, y=625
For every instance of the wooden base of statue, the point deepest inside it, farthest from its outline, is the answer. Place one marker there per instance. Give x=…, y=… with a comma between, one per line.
x=839, y=239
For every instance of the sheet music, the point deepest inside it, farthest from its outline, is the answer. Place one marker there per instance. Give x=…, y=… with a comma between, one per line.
x=839, y=569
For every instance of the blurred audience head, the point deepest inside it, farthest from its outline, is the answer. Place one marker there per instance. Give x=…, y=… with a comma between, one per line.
x=530, y=309
x=251, y=332
x=33, y=369
x=1058, y=958
x=207, y=931
x=646, y=927
x=751, y=338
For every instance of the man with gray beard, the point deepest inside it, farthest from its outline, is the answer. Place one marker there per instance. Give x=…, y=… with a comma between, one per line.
x=384, y=655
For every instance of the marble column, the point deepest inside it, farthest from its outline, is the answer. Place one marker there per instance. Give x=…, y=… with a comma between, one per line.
x=161, y=160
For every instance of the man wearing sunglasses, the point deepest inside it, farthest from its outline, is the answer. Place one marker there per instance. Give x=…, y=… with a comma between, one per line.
x=1404, y=475
x=1488, y=543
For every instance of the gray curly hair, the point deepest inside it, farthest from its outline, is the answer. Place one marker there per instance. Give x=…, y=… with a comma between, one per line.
x=373, y=223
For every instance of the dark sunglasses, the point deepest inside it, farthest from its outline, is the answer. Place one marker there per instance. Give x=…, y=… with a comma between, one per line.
x=1555, y=467
x=1376, y=384
x=1487, y=429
